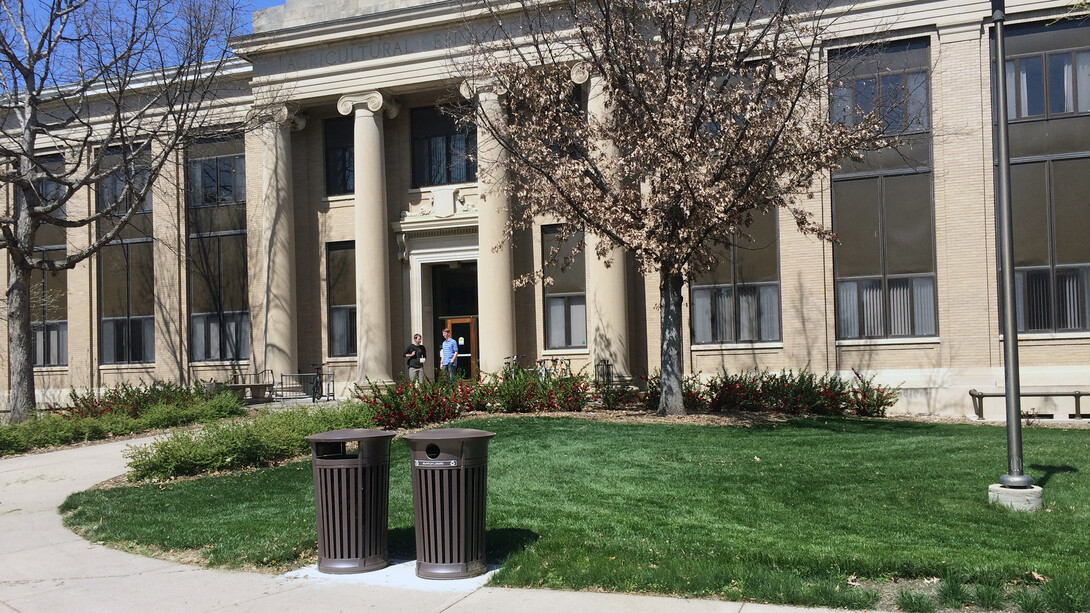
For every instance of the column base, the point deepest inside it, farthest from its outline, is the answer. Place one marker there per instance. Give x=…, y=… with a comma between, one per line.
x=1018, y=498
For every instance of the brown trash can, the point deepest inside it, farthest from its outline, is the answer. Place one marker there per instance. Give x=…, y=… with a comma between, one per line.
x=351, y=499
x=449, y=474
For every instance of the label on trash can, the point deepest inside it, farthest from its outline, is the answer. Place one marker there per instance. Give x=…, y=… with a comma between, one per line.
x=435, y=463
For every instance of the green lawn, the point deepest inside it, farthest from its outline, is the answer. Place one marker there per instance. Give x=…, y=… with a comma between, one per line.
x=783, y=513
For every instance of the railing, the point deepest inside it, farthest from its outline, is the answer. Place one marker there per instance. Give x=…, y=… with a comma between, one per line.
x=265, y=376
x=978, y=399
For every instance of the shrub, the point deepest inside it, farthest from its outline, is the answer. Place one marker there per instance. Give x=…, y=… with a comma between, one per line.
x=412, y=404
x=869, y=400
x=692, y=390
x=802, y=393
x=269, y=437
x=517, y=390
x=120, y=411
x=128, y=399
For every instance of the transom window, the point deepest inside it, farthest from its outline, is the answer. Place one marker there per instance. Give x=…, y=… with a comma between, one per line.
x=443, y=153
x=1047, y=84
x=340, y=156
x=890, y=81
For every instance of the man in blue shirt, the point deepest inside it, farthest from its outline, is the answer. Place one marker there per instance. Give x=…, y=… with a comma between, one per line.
x=448, y=355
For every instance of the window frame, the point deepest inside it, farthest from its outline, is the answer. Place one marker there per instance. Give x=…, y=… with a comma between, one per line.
x=568, y=298
x=1014, y=81
x=351, y=334
x=735, y=287
x=885, y=276
x=339, y=150
x=231, y=327
x=1053, y=266
x=141, y=218
x=420, y=178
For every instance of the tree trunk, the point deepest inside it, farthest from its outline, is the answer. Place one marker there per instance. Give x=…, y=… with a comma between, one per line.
x=671, y=401
x=20, y=363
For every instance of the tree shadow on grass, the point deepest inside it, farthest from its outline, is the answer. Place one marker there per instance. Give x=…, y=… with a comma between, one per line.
x=500, y=543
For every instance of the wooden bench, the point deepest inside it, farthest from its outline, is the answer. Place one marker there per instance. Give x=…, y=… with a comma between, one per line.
x=252, y=393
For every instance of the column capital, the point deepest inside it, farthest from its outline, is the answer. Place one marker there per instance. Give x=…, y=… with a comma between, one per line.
x=580, y=72
x=281, y=114
x=477, y=88
x=373, y=101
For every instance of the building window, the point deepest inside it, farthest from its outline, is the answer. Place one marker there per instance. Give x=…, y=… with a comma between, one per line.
x=889, y=81
x=341, y=271
x=883, y=213
x=49, y=310
x=49, y=289
x=219, y=314
x=565, y=290
x=1047, y=84
x=884, y=260
x=739, y=300
x=442, y=152
x=340, y=156
x=126, y=272
x=1051, y=253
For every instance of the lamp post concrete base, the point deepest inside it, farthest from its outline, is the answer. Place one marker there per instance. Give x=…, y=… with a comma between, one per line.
x=1018, y=498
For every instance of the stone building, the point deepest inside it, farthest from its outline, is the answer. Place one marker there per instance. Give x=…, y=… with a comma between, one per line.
x=353, y=219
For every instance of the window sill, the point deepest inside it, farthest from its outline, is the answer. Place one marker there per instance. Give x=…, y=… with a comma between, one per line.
x=54, y=368
x=566, y=351
x=127, y=366
x=888, y=342
x=342, y=360
x=1051, y=336
x=341, y=199
x=219, y=363
x=717, y=347
x=424, y=189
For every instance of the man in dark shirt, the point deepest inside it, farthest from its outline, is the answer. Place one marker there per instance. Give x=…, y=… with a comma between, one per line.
x=415, y=355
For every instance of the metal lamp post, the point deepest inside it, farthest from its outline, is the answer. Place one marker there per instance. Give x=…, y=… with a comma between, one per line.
x=1014, y=479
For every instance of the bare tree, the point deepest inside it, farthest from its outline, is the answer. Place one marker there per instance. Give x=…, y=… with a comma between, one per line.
x=95, y=93
x=713, y=113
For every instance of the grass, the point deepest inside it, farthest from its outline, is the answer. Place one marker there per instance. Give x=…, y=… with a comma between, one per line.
x=781, y=513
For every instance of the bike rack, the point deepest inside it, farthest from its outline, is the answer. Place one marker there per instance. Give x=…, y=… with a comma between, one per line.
x=301, y=385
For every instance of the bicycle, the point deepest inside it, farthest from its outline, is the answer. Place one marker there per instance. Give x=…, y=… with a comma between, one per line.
x=317, y=392
x=553, y=367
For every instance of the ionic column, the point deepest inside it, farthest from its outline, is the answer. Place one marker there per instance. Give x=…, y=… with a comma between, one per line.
x=373, y=342
x=607, y=307
x=277, y=333
x=495, y=268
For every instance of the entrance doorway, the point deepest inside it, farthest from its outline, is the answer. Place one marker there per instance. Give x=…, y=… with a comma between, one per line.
x=454, y=301
x=464, y=331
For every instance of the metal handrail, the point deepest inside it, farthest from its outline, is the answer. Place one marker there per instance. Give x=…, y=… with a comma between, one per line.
x=978, y=399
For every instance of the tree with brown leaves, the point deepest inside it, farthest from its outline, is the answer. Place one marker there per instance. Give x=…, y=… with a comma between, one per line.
x=709, y=113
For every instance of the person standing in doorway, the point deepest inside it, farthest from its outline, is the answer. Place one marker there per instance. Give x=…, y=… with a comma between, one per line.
x=415, y=356
x=448, y=355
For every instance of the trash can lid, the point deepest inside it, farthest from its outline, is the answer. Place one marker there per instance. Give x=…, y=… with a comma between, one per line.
x=446, y=434
x=350, y=434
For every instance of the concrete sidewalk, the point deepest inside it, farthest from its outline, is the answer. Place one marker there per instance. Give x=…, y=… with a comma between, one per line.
x=45, y=567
